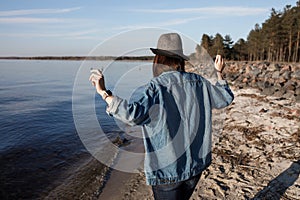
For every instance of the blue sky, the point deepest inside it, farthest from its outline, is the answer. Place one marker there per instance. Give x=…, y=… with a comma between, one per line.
x=65, y=27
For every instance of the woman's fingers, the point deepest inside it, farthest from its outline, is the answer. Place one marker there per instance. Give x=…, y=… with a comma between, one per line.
x=219, y=59
x=96, y=71
x=97, y=79
x=91, y=77
x=96, y=76
x=219, y=63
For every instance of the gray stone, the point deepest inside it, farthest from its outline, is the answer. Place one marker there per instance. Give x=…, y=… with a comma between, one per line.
x=268, y=91
x=297, y=98
x=277, y=86
x=289, y=95
x=260, y=84
x=267, y=84
x=279, y=93
x=275, y=75
x=281, y=80
x=296, y=74
x=274, y=67
x=255, y=72
x=290, y=85
x=286, y=75
x=297, y=91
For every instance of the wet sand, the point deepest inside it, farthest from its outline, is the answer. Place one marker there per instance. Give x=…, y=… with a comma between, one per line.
x=84, y=182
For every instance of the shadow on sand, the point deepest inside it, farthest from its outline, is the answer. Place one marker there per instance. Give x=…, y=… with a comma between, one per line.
x=278, y=186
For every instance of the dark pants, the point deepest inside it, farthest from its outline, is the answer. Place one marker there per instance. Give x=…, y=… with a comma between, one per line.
x=181, y=190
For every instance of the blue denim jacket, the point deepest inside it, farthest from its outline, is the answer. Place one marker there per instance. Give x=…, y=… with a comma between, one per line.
x=175, y=114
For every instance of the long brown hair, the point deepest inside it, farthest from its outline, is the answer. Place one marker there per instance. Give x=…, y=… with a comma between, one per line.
x=165, y=63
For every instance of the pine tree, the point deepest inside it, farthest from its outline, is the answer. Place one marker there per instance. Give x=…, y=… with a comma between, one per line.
x=217, y=45
x=228, y=47
x=206, y=42
x=239, y=50
x=254, y=43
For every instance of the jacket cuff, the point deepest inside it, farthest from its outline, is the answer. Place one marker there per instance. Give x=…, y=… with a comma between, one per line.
x=113, y=106
x=222, y=82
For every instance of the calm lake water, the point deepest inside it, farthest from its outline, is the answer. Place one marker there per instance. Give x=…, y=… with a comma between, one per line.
x=38, y=137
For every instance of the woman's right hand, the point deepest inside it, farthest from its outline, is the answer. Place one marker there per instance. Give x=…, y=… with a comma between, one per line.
x=97, y=80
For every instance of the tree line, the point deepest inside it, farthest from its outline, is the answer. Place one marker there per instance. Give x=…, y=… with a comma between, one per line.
x=277, y=39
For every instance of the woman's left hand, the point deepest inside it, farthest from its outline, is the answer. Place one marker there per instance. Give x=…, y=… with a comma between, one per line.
x=219, y=63
x=97, y=80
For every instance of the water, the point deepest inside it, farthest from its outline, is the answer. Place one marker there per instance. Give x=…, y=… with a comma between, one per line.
x=38, y=138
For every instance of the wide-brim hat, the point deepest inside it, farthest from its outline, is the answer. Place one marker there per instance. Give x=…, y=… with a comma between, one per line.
x=170, y=45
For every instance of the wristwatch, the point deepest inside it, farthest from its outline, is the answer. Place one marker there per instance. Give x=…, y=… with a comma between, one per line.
x=106, y=94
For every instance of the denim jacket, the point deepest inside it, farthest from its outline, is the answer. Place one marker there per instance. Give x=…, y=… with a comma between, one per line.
x=175, y=114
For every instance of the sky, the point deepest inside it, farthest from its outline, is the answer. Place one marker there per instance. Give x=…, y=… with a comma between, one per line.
x=77, y=27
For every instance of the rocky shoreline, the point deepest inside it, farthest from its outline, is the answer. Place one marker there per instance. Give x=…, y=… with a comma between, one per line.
x=276, y=79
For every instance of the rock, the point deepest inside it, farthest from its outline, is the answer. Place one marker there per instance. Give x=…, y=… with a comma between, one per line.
x=267, y=64
x=260, y=85
x=281, y=80
x=277, y=86
x=286, y=75
x=271, y=81
x=263, y=110
x=297, y=98
x=279, y=93
x=268, y=91
x=294, y=67
x=245, y=80
x=296, y=74
x=285, y=68
x=268, y=75
x=275, y=75
x=274, y=67
x=290, y=85
x=297, y=91
x=248, y=69
x=267, y=83
x=289, y=95
x=255, y=72
x=253, y=83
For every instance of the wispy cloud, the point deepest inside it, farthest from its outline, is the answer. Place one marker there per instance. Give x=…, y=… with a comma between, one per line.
x=32, y=20
x=233, y=11
x=161, y=24
x=10, y=13
x=70, y=35
x=20, y=16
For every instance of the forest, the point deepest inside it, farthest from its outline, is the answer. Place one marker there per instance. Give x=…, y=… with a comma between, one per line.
x=277, y=39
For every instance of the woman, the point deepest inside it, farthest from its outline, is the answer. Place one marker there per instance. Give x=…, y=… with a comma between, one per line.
x=175, y=114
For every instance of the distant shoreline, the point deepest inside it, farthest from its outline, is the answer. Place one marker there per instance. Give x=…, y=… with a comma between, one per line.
x=77, y=58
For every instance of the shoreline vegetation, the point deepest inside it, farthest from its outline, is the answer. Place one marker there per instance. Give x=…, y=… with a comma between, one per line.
x=101, y=58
